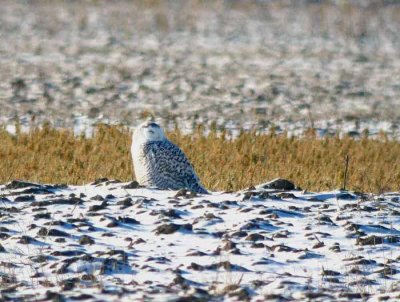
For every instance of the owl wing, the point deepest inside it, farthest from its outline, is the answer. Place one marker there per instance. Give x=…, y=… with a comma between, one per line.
x=172, y=169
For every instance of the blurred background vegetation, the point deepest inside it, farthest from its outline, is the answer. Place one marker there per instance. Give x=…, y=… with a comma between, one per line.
x=291, y=65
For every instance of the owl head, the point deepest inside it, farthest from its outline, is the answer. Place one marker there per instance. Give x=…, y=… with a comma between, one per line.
x=148, y=131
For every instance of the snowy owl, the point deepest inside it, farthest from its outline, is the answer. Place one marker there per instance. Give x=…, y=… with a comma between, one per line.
x=159, y=163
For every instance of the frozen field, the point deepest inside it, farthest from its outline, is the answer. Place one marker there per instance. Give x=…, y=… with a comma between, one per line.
x=288, y=65
x=294, y=64
x=116, y=241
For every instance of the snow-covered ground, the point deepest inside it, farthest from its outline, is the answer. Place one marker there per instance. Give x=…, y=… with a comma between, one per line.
x=333, y=65
x=371, y=128
x=116, y=241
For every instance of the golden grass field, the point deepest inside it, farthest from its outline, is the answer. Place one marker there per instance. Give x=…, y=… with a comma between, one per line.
x=50, y=155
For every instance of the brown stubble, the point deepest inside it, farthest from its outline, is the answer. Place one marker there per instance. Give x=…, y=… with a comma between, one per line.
x=51, y=155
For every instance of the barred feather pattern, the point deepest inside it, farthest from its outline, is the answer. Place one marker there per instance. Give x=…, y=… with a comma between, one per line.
x=163, y=165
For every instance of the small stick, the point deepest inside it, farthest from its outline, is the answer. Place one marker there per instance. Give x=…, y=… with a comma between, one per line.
x=346, y=168
x=310, y=117
x=315, y=236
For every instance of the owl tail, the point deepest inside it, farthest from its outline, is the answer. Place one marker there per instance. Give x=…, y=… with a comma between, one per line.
x=198, y=189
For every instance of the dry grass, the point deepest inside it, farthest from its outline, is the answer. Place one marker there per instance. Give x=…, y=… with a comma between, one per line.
x=57, y=156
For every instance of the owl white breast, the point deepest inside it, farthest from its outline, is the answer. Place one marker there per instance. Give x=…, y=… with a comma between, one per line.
x=159, y=163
